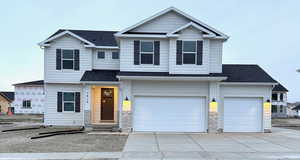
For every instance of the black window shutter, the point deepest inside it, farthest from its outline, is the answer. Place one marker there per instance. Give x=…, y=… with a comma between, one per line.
x=59, y=101
x=156, y=52
x=179, y=52
x=77, y=102
x=76, y=54
x=58, y=59
x=136, y=52
x=199, y=52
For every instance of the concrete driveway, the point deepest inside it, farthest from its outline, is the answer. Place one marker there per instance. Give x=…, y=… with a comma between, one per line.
x=281, y=144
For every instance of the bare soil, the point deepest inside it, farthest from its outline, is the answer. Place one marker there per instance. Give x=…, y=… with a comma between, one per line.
x=20, y=142
x=22, y=118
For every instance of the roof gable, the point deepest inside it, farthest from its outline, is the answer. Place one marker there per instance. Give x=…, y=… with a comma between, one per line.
x=193, y=25
x=10, y=96
x=91, y=38
x=177, y=11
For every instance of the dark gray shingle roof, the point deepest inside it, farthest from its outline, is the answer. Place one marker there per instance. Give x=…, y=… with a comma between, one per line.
x=99, y=38
x=279, y=87
x=234, y=72
x=10, y=96
x=38, y=82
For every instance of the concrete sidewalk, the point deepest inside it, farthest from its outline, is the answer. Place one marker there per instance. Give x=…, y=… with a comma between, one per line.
x=60, y=156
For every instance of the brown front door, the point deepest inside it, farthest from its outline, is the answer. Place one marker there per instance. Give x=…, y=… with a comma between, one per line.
x=107, y=104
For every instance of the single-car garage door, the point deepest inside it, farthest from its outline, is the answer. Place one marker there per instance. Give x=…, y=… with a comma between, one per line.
x=174, y=114
x=242, y=115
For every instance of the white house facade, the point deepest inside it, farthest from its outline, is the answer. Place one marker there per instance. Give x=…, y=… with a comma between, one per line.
x=29, y=98
x=164, y=74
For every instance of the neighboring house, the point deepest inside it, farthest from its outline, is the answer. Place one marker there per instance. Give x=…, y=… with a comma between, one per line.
x=6, y=98
x=29, y=98
x=164, y=73
x=279, y=101
x=291, y=111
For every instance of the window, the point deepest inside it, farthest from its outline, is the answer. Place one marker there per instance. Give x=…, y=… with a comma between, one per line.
x=115, y=55
x=26, y=104
x=281, y=96
x=101, y=55
x=274, y=108
x=147, y=52
x=189, y=52
x=274, y=96
x=68, y=101
x=281, y=108
x=68, y=59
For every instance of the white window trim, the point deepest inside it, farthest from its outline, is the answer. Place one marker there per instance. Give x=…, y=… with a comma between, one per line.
x=146, y=52
x=98, y=56
x=63, y=103
x=182, y=49
x=62, y=58
x=27, y=107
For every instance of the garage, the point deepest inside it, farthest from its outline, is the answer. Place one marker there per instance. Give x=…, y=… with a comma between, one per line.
x=169, y=114
x=243, y=114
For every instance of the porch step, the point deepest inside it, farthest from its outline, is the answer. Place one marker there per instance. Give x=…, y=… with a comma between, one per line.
x=105, y=127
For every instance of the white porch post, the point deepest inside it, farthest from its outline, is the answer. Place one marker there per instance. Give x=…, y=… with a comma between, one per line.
x=126, y=116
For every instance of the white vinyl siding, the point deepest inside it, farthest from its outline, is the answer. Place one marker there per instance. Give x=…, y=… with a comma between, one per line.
x=215, y=56
x=107, y=63
x=52, y=117
x=52, y=75
x=127, y=57
x=164, y=23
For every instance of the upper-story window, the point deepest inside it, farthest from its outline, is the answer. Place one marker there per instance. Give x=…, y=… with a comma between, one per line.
x=101, y=55
x=189, y=52
x=281, y=96
x=274, y=97
x=147, y=52
x=115, y=55
x=68, y=59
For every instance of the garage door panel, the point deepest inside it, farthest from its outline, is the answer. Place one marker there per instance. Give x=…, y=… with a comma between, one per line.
x=242, y=115
x=181, y=114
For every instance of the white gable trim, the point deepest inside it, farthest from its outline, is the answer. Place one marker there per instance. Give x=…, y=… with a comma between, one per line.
x=168, y=10
x=43, y=43
x=211, y=34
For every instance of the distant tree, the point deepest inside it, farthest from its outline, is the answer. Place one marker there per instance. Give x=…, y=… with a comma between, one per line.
x=298, y=70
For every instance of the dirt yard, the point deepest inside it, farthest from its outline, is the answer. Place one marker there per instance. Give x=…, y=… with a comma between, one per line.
x=22, y=118
x=289, y=123
x=19, y=141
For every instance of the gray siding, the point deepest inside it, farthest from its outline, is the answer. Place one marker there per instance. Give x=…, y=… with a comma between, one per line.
x=108, y=63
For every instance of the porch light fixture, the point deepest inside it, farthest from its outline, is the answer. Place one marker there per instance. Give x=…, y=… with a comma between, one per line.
x=267, y=106
x=213, y=106
x=126, y=105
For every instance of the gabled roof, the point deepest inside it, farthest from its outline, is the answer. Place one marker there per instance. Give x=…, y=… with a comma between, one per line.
x=92, y=38
x=280, y=88
x=31, y=83
x=194, y=20
x=10, y=96
x=192, y=24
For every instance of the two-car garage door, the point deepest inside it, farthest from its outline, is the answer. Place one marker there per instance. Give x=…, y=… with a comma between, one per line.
x=169, y=114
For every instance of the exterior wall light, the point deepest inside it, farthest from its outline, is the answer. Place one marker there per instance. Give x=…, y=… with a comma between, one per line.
x=213, y=106
x=126, y=105
x=267, y=106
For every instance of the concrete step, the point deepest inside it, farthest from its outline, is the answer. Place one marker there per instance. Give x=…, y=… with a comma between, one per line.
x=105, y=127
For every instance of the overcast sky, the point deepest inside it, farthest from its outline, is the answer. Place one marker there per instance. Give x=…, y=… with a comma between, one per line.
x=265, y=32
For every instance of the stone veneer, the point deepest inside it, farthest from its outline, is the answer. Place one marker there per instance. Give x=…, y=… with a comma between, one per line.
x=126, y=121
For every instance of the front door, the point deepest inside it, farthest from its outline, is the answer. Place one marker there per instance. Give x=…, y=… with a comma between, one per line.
x=107, y=104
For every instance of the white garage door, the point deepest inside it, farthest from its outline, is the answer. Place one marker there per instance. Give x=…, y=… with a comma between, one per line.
x=175, y=114
x=242, y=115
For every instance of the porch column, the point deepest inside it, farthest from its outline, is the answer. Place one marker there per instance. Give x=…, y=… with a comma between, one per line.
x=213, y=109
x=126, y=115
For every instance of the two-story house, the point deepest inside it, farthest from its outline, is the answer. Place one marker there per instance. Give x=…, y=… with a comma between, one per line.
x=164, y=73
x=279, y=101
